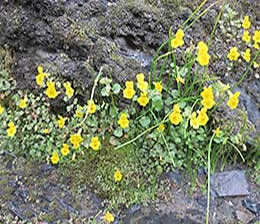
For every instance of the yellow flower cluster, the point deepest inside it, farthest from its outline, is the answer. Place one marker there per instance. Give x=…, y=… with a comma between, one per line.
x=55, y=158
x=207, y=98
x=76, y=140
x=179, y=79
x=129, y=91
x=178, y=41
x=246, y=22
x=143, y=99
x=175, y=116
x=233, y=100
x=40, y=76
x=118, y=176
x=95, y=143
x=109, y=217
x=123, y=121
x=141, y=84
x=158, y=86
x=61, y=121
x=200, y=120
x=79, y=112
x=2, y=109
x=65, y=150
x=69, y=89
x=247, y=55
x=161, y=128
x=91, y=107
x=233, y=54
x=11, y=130
x=23, y=103
x=51, y=90
x=203, y=56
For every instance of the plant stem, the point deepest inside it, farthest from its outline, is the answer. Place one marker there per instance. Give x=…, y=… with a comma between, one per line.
x=208, y=201
x=91, y=96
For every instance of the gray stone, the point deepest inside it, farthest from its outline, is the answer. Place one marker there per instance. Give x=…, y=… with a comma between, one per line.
x=230, y=183
x=243, y=216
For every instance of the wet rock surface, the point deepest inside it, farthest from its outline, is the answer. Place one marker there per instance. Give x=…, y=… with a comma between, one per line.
x=230, y=183
x=32, y=191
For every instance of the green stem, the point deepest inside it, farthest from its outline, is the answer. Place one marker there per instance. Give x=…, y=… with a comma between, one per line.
x=91, y=96
x=209, y=169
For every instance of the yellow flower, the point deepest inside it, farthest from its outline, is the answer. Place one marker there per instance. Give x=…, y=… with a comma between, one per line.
x=51, y=90
x=65, y=149
x=233, y=54
x=178, y=40
x=55, y=158
x=95, y=143
x=161, y=128
x=208, y=103
x=23, y=103
x=123, y=121
x=109, y=217
x=139, y=77
x=247, y=55
x=129, y=91
x=202, y=47
x=207, y=92
x=179, y=34
x=256, y=46
x=40, y=76
x=180, y=79
x=143, y=86
x=194, y=122
x=61, y=121
x=246, y=22
x=218, y=132
x=175, y=116
x=2, y=109
x=46, y=131
x=203, y=117
x=233, y=100
x=203, y=59
x=246, y=36
x=117, y=176
x=91, y=107
x=158, y=86
x=143, y=100
x=69, y=89
x=256, y=65
x=75, y=140
x=256, y=36
x=130, y=84
x=79, y=113
x=208, y=98
x=11, y=130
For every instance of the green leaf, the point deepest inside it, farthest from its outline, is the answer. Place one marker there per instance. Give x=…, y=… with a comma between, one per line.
x=145, y=121
x=105, y=91
x=168, y=101
x=116, y=88
x=113, y=111
x=157, y=103
x=175, y=93
x=118, y=132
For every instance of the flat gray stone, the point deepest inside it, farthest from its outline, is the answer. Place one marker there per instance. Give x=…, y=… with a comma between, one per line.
x=230, y=183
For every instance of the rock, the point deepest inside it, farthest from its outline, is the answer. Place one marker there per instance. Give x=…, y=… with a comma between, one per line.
x=230, y=183
x=252, y=206
x=243, y=217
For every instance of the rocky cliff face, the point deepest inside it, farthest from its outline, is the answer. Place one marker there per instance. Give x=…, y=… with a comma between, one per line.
x=74, y=38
